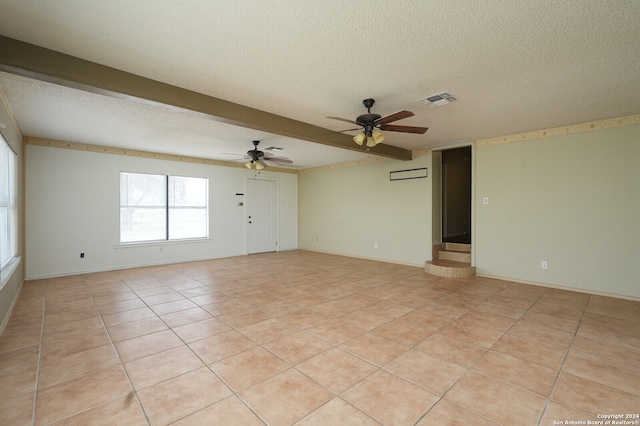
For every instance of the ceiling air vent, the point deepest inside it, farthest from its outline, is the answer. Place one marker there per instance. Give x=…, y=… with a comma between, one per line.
x=437, y=100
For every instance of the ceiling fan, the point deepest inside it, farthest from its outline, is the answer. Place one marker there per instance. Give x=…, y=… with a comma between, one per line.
x=370, y=123
x=258, y=159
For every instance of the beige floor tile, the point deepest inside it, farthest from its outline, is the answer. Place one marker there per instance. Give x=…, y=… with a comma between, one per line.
x=66, y=329
x=148, y=344
x=593, y=398
x=75, y=343
x=447, y=414
x=181, y=396
x=152, y=369
x=336, y=369
x=303, y=318
x=17, y=359
x=268, y=330
x=121, y=411
x=497, y=401
x=188, y=316
x=473, y=333
x=137, y=328
x=337, y=412
x=389, y=309
x=424, y=370
x=390, y=399
x=428, y=319
x=335, y=331
x=544, y=320
x=15, y=382
x=531, y=350
x=559, y=413
x=608, y=367
x=518, y=372
x=59, y=369
x=285, y=397
x=125, y=305
x=200, y=330
x=479, y=318
x=248, y=368
x=297, y=347
x=516, y=338
x=374, y=348
x=229, y=411
x=453, y=350
x=15, y=341
x=175, y=306
x=121, y=317
x=365, y=319
x=244, y=318
x=75, y=315
x=18, y=410
x=542, y=334
x=221, y=346
x=80, y=394
x=404, y=331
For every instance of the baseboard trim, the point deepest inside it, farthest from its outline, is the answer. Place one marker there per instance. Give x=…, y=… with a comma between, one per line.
x=5, y=320
x=560, y=287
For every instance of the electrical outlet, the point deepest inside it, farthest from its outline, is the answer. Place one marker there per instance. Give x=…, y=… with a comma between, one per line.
x=375, y=245
x=545, y=265
x=485, y=200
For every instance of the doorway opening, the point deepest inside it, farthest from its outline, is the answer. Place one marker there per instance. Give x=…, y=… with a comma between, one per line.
x=456, y=195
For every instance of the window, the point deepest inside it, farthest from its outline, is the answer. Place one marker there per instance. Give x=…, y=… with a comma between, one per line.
x=8, y=212
x=161, y=207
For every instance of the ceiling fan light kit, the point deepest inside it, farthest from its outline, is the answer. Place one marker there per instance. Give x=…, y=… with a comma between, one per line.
x=373, y=124
x=258, y=159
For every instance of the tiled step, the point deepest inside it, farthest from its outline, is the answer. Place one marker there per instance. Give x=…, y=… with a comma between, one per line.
x=457, y=247
x=449, y=269
x=456, y=256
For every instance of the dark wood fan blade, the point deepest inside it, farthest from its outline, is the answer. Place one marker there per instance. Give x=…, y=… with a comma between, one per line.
x=395, y=117
x=279, y=160
x=344, y=119
x=406, y=129
x=262, y=162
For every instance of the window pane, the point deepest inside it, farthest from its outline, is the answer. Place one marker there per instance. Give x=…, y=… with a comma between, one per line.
x=143, y=203
x=8, y=223
x=187, y=223
x=188, y=216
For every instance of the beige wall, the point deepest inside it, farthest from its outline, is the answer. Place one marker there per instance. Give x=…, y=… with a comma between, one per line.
x=347, y=210
x=572, y=200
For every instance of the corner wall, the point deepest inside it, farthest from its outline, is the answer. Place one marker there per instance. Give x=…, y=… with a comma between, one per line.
x=571, y=200
x=347, y=210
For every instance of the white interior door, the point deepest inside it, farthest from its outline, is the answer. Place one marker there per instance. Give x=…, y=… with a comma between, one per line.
x=262, y=216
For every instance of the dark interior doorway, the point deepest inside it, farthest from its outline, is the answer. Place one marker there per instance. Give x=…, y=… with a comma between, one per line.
x=456, y=195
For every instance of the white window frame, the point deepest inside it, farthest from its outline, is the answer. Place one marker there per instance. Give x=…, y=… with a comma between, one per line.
x=9, y=259
x=168, y=206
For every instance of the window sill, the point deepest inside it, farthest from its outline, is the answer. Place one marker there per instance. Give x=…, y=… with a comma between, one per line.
x=163, y=243
x=8, y=271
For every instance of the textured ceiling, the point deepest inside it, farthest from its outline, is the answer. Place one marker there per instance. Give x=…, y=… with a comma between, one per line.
x=513, y=65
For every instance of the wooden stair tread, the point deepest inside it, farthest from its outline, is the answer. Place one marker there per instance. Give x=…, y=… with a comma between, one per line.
x=449, y=263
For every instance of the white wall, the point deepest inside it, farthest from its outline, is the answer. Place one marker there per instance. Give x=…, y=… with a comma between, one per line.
x=72, y=206
x=572, y=200
x=347, y=210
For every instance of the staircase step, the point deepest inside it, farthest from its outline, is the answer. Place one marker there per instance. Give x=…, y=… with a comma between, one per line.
x=456, y=256
x=449, y=269
x=457, y=247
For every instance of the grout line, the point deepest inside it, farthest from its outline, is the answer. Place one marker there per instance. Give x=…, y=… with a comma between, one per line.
x=35, y=395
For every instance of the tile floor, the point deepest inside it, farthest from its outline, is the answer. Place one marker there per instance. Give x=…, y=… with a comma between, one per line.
x=312, y=339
